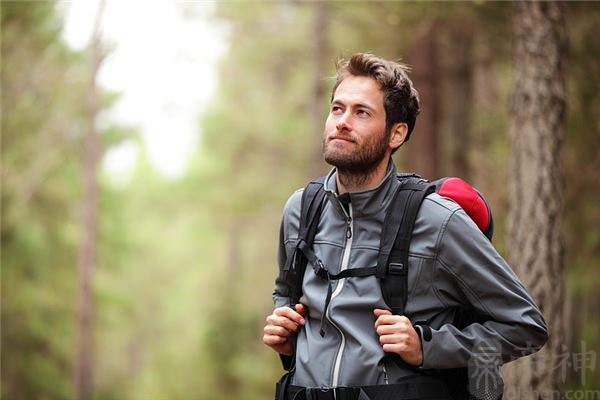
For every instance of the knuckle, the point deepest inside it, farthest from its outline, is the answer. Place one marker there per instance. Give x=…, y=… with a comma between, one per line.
x=279, y=311
x=283, y=332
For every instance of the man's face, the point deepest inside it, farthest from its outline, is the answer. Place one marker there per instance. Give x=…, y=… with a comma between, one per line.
x=355, y=138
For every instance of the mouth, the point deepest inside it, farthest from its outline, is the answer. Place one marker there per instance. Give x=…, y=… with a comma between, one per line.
x=343, y=139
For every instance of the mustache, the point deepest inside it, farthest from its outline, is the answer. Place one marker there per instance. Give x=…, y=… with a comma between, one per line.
x=342, y=136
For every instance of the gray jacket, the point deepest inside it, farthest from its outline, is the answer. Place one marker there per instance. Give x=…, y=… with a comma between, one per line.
x=451, y=264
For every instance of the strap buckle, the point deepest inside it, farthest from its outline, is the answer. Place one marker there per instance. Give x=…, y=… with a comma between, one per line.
x=396, y=269
x=321, y=271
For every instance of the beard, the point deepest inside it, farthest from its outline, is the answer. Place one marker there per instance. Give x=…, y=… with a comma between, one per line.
x=363, y=160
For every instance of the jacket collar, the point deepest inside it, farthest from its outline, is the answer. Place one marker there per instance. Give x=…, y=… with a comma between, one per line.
x=367, y=202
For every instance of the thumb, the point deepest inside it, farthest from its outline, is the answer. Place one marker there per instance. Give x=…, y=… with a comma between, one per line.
x=379, y=312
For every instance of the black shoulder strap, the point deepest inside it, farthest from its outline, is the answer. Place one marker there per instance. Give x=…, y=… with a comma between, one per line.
x=310, y=211
x=392, y=265
x=394, y=247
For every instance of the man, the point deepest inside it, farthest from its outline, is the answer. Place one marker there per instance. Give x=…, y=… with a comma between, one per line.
x=452, y=265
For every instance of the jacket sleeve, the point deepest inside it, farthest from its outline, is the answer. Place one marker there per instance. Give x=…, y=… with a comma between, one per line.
x=480, y=280
x=288, y=232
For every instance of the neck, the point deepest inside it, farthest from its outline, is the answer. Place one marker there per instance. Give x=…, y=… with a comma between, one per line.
x=358, y=181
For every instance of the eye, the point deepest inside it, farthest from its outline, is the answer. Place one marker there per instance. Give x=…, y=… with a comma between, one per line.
x=363, y=113
x=336, y=109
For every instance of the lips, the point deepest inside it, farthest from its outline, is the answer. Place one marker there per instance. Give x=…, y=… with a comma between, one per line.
x=341, y=139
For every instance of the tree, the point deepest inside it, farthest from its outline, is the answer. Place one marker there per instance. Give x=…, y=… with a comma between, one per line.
x=87, y=250
x=460, y=74
x=320, y=52
x=535, y=186
x=41, y=91
x=424, y=155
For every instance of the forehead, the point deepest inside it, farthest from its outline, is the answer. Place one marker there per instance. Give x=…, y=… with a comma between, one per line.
x=359, y=89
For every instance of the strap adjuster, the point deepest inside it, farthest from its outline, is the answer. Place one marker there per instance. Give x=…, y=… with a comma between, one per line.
x=396, y=269
x=321, y=271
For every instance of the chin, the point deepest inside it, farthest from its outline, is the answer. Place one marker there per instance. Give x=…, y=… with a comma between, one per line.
x=332, y=151
x=336, y=159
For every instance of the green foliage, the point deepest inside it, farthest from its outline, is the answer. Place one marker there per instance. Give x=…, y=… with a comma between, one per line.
x=39, y=203
x=42, y=129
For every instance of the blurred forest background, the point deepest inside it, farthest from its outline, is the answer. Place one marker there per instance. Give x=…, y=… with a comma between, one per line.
x=158, y=289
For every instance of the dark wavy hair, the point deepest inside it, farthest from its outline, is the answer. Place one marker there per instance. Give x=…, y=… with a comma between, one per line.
x=400, y=98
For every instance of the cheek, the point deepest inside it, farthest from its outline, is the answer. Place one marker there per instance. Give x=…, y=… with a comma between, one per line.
x=329, y=123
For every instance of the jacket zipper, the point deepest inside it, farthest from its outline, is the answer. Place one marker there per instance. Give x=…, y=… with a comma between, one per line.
x=338, y=289
x=385, y=375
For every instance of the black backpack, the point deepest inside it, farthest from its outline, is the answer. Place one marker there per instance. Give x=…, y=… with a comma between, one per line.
x=392, y=263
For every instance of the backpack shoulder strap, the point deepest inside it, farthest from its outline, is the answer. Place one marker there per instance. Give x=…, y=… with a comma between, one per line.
x=310, y=211
x=392, y=265
x=400, y=220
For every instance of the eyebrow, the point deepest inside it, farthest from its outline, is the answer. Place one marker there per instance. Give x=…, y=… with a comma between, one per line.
x=357, y=105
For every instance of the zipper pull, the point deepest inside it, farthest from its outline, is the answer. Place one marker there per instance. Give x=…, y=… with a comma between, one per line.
x=349, y=228
x=383, y=371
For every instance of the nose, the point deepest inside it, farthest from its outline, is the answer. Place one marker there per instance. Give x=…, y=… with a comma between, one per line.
x=342, y=123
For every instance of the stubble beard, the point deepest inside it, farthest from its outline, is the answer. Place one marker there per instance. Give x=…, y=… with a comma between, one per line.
x=356, y=168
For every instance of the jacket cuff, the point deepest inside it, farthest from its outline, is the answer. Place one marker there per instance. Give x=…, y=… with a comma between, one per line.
x=424, y=332
x=286, y=361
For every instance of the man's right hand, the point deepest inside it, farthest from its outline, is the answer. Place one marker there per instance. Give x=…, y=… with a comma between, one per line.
x=281, y=327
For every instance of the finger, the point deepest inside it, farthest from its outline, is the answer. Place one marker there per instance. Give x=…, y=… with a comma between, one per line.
x=386, y=320
x=394, y=323
x=379, y=311
x=394, y=348
x=400, y=320
x=290, y=314
x=273, y=340
x=393, y=339
x=283, y=322
x=276, y=330
x=381, y=315
x=389, y=329
x=301, y=309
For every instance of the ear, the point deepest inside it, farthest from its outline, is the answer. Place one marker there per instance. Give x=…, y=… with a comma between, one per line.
x=398, y=134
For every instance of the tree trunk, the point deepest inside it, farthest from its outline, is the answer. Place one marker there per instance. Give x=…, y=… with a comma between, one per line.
x=320, y=53
x=485, y=175
x=460, y=89
x=421, y=151
x=535, y=186
x=87, y=252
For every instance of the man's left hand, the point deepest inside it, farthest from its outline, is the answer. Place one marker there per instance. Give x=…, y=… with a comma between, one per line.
x=397, y=335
